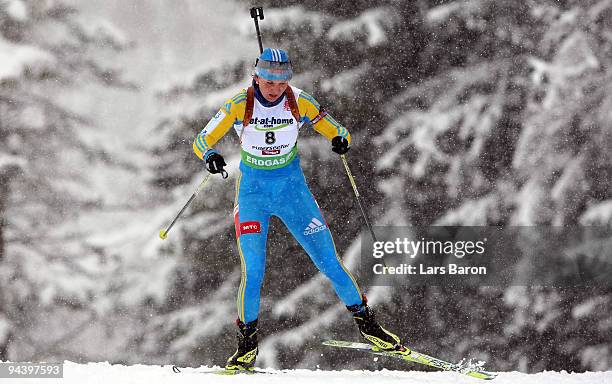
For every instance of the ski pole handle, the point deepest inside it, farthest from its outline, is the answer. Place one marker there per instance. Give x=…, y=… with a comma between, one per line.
x=256, y=14
x=163, y=234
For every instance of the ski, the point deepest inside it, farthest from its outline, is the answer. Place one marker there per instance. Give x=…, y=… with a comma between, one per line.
x=234, y=372
x=226, y=372
x=466, y=368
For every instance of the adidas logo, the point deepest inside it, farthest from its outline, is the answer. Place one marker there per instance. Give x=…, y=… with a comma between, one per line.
x=314, y=227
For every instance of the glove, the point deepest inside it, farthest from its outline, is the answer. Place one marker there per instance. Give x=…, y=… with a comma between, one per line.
x=215, y=163
x=340, y=145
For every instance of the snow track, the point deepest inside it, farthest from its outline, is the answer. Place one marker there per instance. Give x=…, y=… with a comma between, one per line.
x=119, y=374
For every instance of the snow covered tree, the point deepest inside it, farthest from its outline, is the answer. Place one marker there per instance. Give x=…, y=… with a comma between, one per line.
x=512, y=131
x=46, y=48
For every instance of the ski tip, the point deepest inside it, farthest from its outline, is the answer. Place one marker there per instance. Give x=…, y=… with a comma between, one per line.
x=163, y=234
x=484, y=375
x=489, y=376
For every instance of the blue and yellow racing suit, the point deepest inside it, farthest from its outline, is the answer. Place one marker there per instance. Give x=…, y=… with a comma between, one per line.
x=270, y=183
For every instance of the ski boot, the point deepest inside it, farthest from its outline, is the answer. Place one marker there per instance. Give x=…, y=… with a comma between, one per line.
x=244, y=357
x=369, y=328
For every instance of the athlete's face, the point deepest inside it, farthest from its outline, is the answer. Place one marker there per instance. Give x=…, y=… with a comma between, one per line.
x=271, y=89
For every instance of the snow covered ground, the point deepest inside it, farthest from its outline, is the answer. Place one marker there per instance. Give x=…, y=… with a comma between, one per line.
x=118, y=374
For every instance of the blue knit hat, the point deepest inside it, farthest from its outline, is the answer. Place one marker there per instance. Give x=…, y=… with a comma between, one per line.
x=274, y=64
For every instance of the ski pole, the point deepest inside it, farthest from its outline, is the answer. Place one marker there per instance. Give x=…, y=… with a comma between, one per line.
x=256, y=14
x=164, y=232
x=363, y=213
